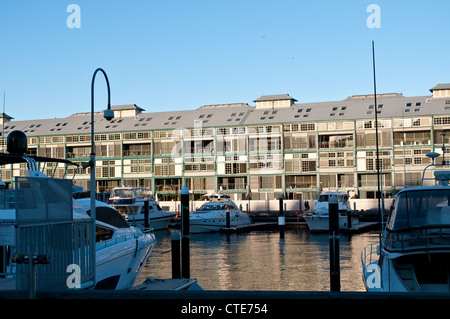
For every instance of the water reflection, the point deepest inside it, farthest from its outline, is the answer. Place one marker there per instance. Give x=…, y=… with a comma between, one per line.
x=260, y=260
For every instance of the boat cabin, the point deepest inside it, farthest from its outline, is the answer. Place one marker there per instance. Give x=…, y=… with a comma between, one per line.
x=420, y=218
x=326, y=196
x=222, y=206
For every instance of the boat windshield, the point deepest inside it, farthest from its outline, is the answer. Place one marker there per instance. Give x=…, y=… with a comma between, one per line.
x=325, y=197
x=209, y=207
x=424, y=208
x=122, y=192
x=143, y=193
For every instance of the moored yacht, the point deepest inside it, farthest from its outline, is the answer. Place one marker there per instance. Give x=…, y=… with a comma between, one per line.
x=319, y=219
x=212, y=216
x=131, y=201
x=121, y=250
x=414, y=253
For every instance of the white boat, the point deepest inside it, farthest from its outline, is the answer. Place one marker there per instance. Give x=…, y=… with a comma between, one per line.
x=120, y=250
x=319, y=219
x=130, y=202
x=414, y=254
x=212, y=216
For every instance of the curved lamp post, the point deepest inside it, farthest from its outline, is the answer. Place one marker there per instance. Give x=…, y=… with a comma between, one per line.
x=109, y=115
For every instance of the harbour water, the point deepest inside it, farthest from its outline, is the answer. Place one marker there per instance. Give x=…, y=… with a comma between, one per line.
x=260, y=260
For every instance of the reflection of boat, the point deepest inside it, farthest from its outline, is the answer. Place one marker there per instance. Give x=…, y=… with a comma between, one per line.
x=212, y=216
x=415, y=250
x=41, y=213
x=319, y=219
x=130, y=202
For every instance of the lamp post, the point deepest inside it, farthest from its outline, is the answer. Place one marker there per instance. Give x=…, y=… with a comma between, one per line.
x=109, y=115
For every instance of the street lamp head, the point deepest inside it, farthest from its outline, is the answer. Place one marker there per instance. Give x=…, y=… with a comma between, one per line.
x=108, y=114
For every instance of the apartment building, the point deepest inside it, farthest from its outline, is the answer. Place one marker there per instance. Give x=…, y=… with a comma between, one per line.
x=277, y=146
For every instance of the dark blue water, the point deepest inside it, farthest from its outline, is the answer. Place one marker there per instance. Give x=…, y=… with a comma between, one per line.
x=260, y=260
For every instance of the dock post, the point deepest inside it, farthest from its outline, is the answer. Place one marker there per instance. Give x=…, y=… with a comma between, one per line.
x=228, y=225
x=349, y=218
x=175, y=239
x=185, y=233
x=281, y=218
x=335, y=275
x=146, y=208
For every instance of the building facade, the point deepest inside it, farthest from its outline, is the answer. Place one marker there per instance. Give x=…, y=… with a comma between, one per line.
x=256, y=152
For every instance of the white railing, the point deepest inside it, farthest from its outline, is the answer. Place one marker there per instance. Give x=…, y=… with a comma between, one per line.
x=369, y=255
x=114, y=241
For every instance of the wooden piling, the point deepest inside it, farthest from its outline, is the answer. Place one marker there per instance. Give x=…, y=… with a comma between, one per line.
x=333, y=217
x=175, y=238
x=185, y=234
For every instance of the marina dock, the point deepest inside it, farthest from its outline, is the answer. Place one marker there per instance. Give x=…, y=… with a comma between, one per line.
x=267, y=225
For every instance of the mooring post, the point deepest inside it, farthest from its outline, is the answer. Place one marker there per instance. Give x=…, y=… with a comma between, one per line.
x=185, y=233
x=333, y=217
x=146, y=217
x=228, y=220
x=349, y=218
x=175, y=239
x=281, y=218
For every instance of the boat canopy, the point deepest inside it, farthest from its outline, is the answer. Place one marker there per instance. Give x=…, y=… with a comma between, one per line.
x=421, y=209
x=131, y=192
x=216, y=206
x=122, y=192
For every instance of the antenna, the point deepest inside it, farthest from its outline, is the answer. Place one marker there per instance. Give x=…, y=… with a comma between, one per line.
x=3, y=126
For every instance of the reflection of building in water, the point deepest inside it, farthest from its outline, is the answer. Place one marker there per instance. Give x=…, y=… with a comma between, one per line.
x=258, y=152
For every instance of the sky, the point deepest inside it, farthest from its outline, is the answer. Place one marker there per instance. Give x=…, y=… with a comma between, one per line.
x=180, y=55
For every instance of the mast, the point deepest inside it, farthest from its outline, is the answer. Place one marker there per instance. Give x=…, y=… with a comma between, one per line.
x=376, y=138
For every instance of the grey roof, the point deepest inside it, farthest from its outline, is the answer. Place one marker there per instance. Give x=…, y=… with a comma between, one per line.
x=274, y=98
x=5, y=116
x=352, y=108
x=127, y=107
x=442, y=86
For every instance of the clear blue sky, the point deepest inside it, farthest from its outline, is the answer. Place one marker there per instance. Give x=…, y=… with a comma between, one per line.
x=179, y=55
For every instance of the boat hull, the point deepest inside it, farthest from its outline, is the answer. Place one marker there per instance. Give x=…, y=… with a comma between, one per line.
x=156, y=223
x=205, y=225
x=118, y=268
x=321, y=223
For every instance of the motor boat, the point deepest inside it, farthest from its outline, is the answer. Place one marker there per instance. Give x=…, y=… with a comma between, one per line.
x=121, y=249
x=131, y=202
x=212, y=216
x=318, y=220
x=413, y=254
x=40, y=212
